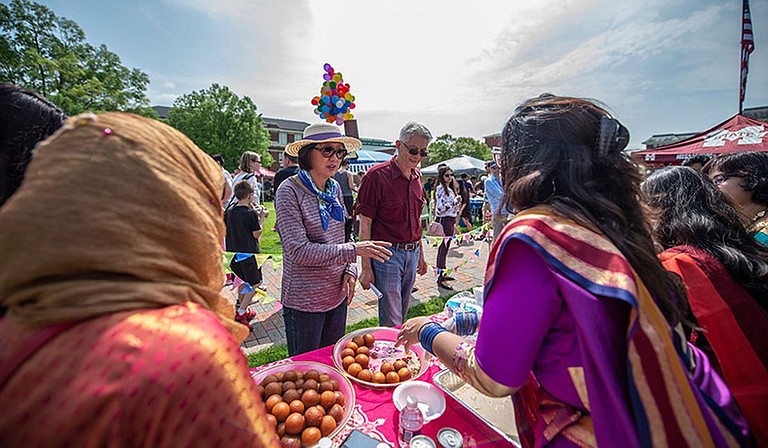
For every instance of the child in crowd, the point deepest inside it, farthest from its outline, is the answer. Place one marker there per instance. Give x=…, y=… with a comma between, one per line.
x=243, y=232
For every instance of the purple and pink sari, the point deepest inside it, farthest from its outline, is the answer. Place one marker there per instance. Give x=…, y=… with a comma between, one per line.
x=623, y=376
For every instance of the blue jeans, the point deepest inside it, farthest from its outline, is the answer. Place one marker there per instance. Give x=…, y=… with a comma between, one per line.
x=308, y=331
x=395, y=278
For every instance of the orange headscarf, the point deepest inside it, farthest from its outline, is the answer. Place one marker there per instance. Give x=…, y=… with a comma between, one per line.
x=116, y=212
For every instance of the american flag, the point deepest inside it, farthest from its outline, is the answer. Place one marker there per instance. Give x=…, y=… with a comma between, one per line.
x=747, y=47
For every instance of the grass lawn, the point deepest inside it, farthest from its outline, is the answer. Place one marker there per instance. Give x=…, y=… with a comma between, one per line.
x=278, y=352
x=270, y=242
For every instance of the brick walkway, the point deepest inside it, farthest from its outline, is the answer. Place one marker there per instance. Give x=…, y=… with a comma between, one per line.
x=268, y=327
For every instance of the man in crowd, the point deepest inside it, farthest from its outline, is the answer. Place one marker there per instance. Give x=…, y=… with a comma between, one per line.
x=290, y=167
x=467, y=184
x=346, y=180
x=227, y=179
x=389, y=202
x=494, y=192
x=696, y=162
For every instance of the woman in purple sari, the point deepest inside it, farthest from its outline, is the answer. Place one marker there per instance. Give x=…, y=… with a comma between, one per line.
x=581, y=323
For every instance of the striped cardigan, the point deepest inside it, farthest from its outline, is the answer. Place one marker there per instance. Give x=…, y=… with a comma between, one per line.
x=314, y=261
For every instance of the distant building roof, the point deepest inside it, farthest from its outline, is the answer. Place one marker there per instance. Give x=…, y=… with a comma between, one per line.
x=377, y=144
x=162, y=111
x=756, y=113
x=281, y=123
x=666, y=139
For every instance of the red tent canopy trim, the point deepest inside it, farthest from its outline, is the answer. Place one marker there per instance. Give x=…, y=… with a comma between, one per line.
x=737, y=134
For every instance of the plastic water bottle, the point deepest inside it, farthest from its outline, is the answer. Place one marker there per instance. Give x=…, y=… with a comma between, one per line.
x=411, y=422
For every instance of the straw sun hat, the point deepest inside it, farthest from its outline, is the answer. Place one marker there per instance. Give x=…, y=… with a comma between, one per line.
x=322, y=132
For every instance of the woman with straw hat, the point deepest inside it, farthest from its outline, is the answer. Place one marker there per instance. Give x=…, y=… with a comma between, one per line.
x=319, y=272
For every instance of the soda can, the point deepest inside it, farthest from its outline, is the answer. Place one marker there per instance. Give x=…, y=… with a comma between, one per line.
x=422, y=441
x=450, y=438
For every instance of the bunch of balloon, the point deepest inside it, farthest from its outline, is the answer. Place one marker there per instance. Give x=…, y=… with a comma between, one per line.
x=335, y=102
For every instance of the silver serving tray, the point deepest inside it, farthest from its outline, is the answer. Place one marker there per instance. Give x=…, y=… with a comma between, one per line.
x=487, y=409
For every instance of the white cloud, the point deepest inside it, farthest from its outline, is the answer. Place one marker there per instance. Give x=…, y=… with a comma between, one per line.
x=461, y=67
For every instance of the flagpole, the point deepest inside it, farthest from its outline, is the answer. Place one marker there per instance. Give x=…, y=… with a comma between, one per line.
x=747, y=47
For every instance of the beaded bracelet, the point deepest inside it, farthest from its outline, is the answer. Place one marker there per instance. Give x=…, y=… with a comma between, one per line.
x=428, y=335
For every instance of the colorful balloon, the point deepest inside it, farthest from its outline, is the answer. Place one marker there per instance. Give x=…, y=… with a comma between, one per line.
x=335, y=101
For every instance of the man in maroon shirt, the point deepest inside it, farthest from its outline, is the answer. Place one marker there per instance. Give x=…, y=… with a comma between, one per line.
x=389, y=202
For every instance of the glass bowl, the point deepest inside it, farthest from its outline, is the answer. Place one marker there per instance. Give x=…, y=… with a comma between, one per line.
x=383, y=347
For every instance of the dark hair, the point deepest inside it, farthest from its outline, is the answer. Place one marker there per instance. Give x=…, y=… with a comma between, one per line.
x=27, y=118
x=567, y=153
x=691, y=211
x=242, y=189
x=218, y=158
x=345, y=162
x=441, y=180
x=751, y=166
x=293, y=159
x=700, y=159
x=305, y=156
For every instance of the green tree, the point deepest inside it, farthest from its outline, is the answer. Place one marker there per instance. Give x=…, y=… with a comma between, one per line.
x=50, y=55
x=447, y=147
x=219, y=121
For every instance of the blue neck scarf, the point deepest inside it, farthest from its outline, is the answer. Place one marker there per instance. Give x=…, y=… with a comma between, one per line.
x=329, y=203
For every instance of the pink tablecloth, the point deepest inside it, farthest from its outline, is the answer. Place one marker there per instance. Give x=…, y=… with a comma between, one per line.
x=375, y=413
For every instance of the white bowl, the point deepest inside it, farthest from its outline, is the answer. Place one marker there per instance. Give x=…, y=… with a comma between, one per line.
x=431, y=399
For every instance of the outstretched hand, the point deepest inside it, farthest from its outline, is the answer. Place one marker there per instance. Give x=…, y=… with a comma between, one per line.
x=375, y=250
x=409, y=332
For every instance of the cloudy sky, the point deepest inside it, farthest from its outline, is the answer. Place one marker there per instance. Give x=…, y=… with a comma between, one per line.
x=460, y=67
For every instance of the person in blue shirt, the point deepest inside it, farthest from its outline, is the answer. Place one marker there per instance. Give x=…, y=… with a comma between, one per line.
x=494, y=193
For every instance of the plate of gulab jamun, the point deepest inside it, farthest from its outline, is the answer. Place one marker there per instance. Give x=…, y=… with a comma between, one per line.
x=305, y=401
x=369, y=357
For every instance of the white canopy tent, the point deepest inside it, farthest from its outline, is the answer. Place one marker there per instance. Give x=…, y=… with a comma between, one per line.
x=460, y=165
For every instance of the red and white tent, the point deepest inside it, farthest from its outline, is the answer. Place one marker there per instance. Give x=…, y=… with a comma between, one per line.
x=737, y=134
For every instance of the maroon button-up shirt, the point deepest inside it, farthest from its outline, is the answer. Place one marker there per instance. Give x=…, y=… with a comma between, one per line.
x=393, y=202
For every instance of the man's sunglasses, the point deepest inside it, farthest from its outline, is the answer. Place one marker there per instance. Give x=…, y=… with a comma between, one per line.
x=329, y=151
x=415, y=151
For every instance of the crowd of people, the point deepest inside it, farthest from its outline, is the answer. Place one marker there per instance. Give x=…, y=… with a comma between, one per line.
x=619, y=310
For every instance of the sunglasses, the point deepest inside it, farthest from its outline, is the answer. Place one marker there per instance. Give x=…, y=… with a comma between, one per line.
x=720, y=178
x=415, y=151
x=448, y=175
x=330, y=151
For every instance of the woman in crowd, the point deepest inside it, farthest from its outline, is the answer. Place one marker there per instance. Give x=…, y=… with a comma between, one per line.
x=27, y=118
x=726, y=274
x=743, y=178
x=447, y=203
x=250, y=165
x=574, y=283
x=319, y=271
x=117, y=333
